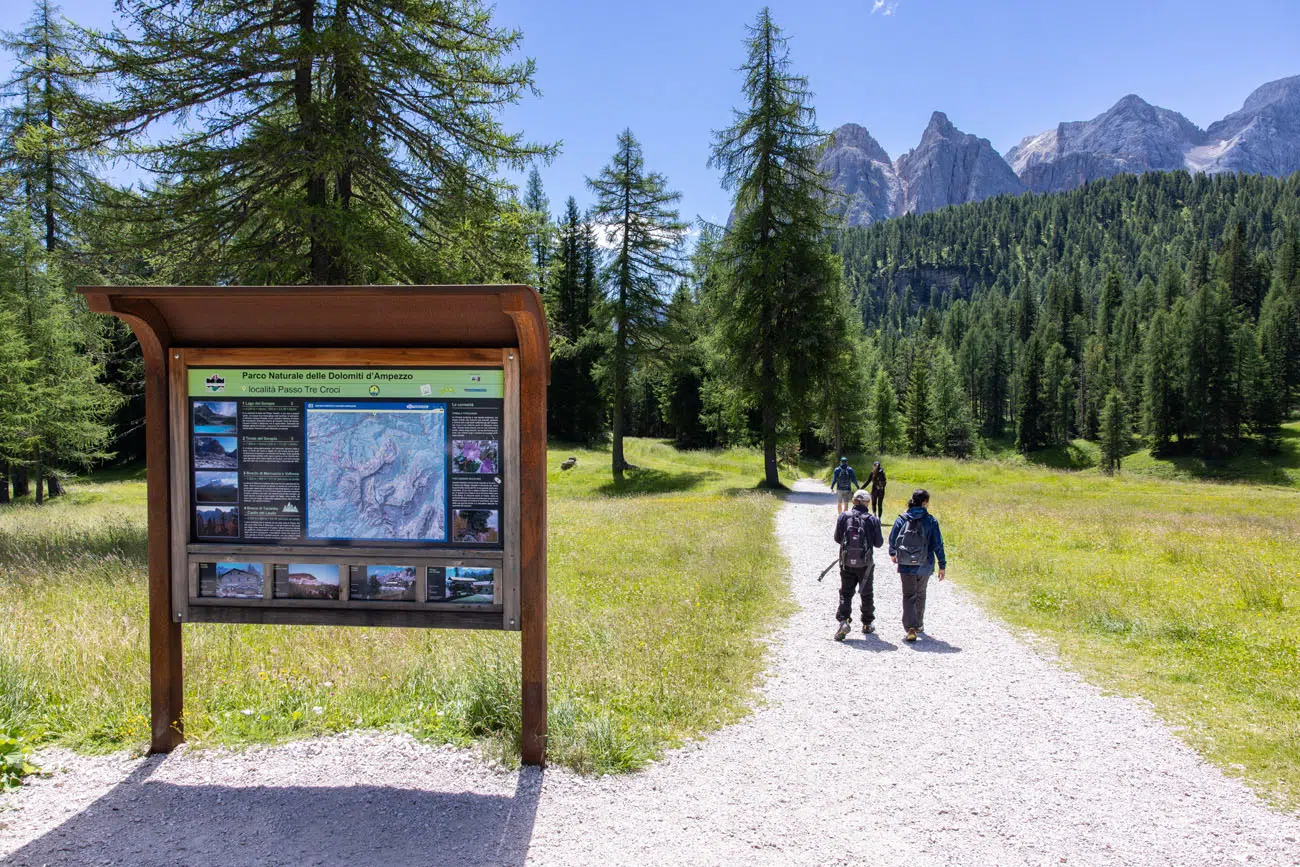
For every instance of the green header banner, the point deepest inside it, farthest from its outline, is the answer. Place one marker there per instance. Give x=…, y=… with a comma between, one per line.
x=348, y=382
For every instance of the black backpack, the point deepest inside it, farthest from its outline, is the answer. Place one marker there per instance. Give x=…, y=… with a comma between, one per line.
x=911, y=546
x=856, y=550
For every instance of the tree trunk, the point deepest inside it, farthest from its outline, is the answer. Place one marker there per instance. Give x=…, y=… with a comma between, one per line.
x=22, y=483
x=309, y=123
x=620, y=388
x=40, y=480
x=771, y=476
x=4, y=482
x=55, y=486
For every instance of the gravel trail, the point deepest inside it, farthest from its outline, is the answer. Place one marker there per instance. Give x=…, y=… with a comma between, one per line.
x=968, y=748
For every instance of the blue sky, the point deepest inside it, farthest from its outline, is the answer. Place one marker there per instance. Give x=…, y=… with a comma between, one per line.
x=1001, y=69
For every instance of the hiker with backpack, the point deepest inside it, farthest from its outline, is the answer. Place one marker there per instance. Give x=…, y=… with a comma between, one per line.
x=915, y=544
x=876, y=482
x=858, y=533
x=844, y=482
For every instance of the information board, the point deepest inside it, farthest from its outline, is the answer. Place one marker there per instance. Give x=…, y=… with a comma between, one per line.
x=305, y=492
x=339, y=456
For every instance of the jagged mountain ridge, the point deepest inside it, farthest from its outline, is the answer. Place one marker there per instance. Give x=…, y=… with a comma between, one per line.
x=947, y=167
x=951, y=167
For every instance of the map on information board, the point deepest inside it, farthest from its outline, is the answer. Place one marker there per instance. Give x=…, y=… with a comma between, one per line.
x=377, y=471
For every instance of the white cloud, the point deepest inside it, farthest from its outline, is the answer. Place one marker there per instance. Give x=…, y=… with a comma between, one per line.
x=884, y=7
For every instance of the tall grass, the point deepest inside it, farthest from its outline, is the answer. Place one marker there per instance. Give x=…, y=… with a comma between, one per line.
x=1185, y=593
x=658, y=591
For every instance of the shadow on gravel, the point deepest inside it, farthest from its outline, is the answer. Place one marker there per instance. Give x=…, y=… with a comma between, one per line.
x=146, y=823
x=871, y=643
x=929, y=644
x=811, y=498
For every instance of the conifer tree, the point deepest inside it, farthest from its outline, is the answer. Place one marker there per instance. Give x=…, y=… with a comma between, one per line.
x=948, y=412
x=1031, y=412
x=335, y=134
x=1114, y=432
x=47, y=144
x=883, y=422
x=1058, y=394
x=645, y=231
x=17, y=370
x=1160, y=394
x=575, y=406
x=569, y=308
x=540, y=231
x=1207, y=361
x=779, y=293
x=918, y=404
x=1264, y=386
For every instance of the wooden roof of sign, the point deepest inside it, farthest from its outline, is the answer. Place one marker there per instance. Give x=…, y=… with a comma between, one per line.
x=331, y=316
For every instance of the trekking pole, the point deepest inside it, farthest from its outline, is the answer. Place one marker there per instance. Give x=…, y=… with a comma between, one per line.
x=828, y=568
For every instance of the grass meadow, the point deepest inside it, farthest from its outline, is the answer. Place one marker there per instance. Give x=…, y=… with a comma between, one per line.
x=658, y=592
x=1184, y=593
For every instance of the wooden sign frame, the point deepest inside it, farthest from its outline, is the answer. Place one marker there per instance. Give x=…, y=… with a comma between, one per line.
x=393, y=326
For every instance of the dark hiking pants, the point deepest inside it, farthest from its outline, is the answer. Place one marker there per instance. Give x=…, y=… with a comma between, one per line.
x=861, y=581
x=877, y=501
x=914, y=600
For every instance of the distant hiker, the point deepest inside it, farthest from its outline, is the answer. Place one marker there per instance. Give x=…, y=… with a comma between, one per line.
x=876, y=482
x=858, y=532
x=844, y=482
x=915, y=544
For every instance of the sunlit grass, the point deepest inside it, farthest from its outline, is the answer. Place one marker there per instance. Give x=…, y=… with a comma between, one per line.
x=658, y=592
x=1185, y=593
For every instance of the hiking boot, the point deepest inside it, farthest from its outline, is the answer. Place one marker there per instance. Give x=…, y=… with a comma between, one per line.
x=910, y=636
x=842, y=631
x=868, y=627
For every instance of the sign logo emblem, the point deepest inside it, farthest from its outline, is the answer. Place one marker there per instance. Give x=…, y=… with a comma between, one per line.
x=215, y=382
x=374, y=391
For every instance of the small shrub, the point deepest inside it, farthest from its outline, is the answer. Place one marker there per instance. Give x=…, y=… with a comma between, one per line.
x=13, y=761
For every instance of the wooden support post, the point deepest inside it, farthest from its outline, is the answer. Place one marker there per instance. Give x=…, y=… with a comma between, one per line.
x=166, y=682
x=534, y=364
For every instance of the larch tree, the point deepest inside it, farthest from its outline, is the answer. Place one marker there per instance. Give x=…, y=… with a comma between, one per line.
x=314, y=139
x=644, y=230
x=51, y=196
x=780, y=293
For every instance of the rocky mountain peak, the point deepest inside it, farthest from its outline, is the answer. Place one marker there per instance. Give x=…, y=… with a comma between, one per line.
x=950, y=167
x=852, y=135
x=939, y=127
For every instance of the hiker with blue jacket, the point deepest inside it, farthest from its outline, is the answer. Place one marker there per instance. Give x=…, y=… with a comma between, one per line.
x=858, y=533
x=915, y=544
x=844, y=482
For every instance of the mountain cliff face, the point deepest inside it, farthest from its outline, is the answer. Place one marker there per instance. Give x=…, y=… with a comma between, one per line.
x=950, y=167
x=1132, y=136
x=858, y=167
x=1263, y=137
